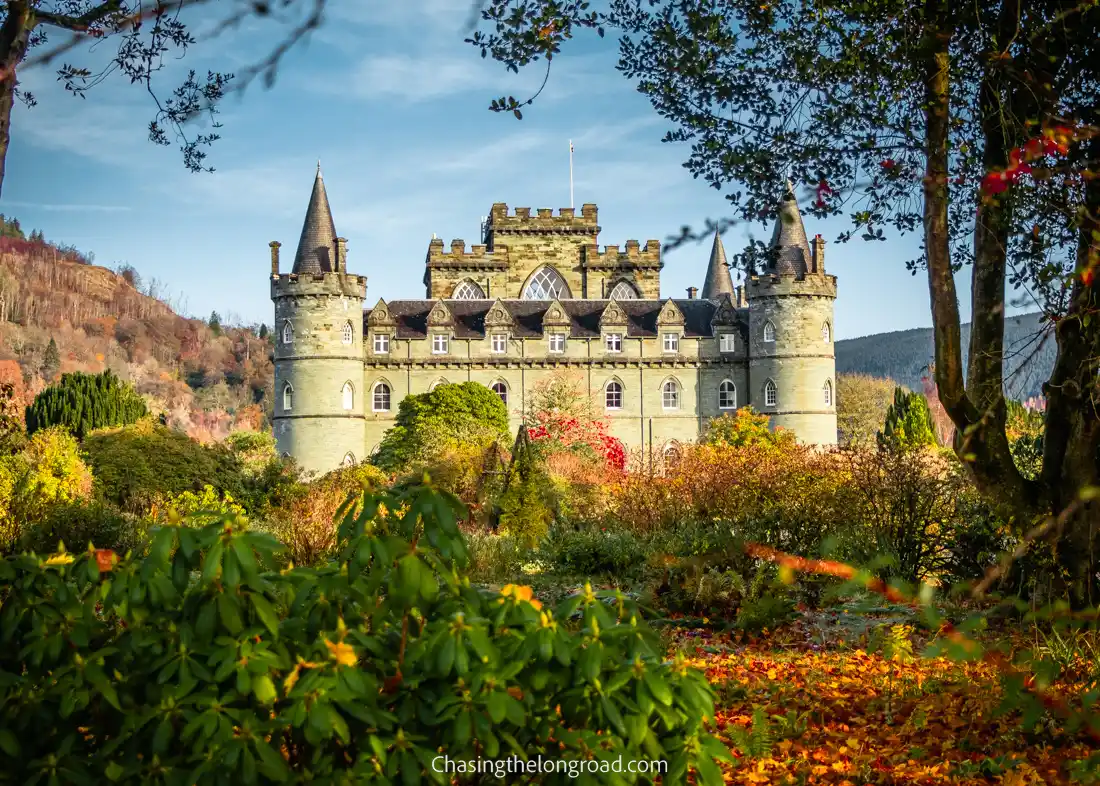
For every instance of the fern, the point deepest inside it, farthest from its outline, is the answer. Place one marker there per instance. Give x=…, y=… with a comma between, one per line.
x=758, y=740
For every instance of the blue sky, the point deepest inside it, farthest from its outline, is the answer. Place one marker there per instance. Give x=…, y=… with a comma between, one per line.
x=394, y=105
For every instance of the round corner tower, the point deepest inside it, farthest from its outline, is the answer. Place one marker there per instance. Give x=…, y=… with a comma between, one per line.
x=792, y=366
x=319, y=415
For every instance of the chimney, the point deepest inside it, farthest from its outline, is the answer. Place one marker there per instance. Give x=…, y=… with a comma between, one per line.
x=819, y=254
x=692, y=291
x=274, y=245
x=481, y=233
x=341, y=255
x=739, y=301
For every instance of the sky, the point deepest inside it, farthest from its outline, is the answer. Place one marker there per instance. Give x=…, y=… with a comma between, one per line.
x=394, y=105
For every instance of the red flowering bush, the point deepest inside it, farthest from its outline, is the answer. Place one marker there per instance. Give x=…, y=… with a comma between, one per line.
x=561, y=416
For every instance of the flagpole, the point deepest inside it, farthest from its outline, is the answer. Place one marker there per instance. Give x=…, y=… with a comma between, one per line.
x=570, y=173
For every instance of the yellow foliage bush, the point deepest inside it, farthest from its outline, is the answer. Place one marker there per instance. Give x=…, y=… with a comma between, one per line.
x=211, y=503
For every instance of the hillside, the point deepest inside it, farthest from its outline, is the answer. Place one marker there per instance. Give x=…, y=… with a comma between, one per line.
x=206, y=379
x=904, y=355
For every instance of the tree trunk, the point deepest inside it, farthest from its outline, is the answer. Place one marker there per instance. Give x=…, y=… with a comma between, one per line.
x=14, y=39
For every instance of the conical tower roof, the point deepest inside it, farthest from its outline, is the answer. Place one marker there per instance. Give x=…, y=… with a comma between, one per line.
x=317, y=245
x=789, y=237
x=718, y=281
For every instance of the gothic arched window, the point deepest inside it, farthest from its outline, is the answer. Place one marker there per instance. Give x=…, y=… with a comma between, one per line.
x=826, y=333
x=546, y=284
x=288, y=333
x=624, y=290
x=771, y=394
x=727, y=395
x=380, y=400
x=348, y=393
x=468, y=290
x=827, y=393
x=769, y=332
x=672, y=455
x=670, y=395
x=288, y=397
x=501, y=390
x=349, y=459
x=613, y=395
x=347, y=334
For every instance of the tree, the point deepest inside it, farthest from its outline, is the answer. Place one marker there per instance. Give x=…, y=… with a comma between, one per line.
x=9, y=227
x=744, y=428
x=51, y=362
x=428, y=424
x=861, y=404
x=84, y=402
x=215, y=323
x=976, y=124
x=13, y=431
x=908, y=423
x=145, y=33
x=263, y=331
x=561, y=415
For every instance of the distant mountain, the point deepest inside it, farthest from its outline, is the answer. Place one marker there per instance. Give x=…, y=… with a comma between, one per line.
x=904, y=355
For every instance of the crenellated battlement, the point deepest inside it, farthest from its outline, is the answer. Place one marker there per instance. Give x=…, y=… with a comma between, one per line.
x=478, y=255
x=546, y=220
x=772, y=285
x=633, y=256
x=318, y=284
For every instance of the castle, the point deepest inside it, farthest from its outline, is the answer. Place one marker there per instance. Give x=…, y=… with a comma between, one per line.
x=537, y=296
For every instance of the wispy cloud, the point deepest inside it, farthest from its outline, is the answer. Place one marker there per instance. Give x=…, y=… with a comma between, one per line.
x=70, y=208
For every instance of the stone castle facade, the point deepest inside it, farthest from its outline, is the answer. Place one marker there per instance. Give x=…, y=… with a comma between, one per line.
x=538, y=296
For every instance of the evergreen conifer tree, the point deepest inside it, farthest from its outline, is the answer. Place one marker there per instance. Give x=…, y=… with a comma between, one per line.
x=84, y=402
x=908, y=422
x=263, y=331
x=215, y=323
x=51, y=363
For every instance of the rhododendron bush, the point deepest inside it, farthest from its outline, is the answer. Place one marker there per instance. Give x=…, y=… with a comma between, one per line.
x=562, y=416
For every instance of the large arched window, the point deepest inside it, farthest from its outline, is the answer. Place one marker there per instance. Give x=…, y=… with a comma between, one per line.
x=827, y=393
x=501, y=389
x=288, y=397
x=380, y=400
x=349, y=459
x=624, y=290
x=348, y=394
x=769, y=332
x=546, y=284
x=826, y=332
x=672, y=455
x=613, y=395
x=771, y=394
x=288, y=333
x=436, y=384
x=468, y=290
x=347, y=334
x=727, y=395
x=670, y=394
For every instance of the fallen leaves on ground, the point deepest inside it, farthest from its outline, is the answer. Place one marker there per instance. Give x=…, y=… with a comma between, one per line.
x=856, y=717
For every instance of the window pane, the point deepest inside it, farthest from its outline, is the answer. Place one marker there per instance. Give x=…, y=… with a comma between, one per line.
x=468, y=290
x=623, y=291
x=546, y=284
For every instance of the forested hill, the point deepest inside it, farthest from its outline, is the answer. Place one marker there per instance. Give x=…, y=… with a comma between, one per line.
x=904, y=356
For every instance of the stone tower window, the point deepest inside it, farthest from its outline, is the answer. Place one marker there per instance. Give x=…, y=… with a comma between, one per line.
x=468, y=290
x=348, y=393
x=381, y=397
x=624, y=290
x=827, y=393
x=769, y=332
x=826, y=333
x=347, y=334
x=349, y=459
x=546, y=284
x=727, y=395
x=288, y=397
x=670, y=395
x=288, y=333
x=771, y=394
x=501, y=390
x=613, y=395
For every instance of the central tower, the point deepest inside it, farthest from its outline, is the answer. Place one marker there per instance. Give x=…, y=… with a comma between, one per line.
x=318, y=416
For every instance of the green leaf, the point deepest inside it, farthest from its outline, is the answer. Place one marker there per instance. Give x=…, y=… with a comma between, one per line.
x=497, y=706
x=446, y=658
x=658, y=687
x=9, y=743
x=229, y=613
x=264, y=689
x=265, y=612
x=212, y=563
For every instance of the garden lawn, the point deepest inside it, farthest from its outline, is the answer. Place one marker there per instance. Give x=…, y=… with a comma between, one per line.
x=847, y=716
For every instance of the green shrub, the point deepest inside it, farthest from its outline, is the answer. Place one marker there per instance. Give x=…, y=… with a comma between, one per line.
x=576, y=551
x=85, y=402
x=135, y=465
x=79, y=523
x=193, y=665
x=496, y=557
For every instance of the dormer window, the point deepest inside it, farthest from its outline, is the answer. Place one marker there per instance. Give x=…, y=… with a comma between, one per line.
x=613, y=342
x=381, y=344
x=440, y=344
x=728, y=342
x=671, y=342
x=557, y=342
x=500, y=343
x=288, y=333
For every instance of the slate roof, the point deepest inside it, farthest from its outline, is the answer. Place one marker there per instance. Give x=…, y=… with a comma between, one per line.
x=527, y=315
x=317, y=244
x=789, y=237
x=718, y=281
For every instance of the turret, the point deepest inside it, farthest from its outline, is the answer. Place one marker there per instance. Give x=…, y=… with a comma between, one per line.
x=718, y=281
x=792, y=368
x=319, y=396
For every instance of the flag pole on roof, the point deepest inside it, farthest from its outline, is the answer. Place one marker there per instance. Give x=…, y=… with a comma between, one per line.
x=570, y=173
